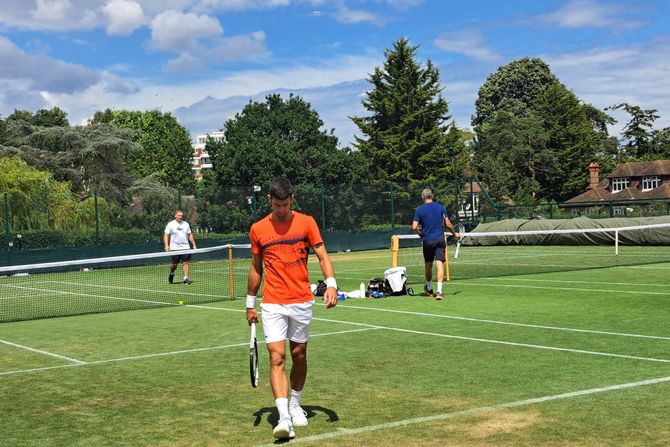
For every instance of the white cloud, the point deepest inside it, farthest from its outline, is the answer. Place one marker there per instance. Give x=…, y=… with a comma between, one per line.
x=589, y=13
x=40, y=72
x=124, y=16
x=468, y=42
x=176, y=31
x=183, y=64
x=637, y=74
x=346, y=15
x=239, y=47
x=51, y=10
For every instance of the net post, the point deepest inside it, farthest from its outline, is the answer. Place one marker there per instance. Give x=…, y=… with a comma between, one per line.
x=231, y=272
x=395, y=246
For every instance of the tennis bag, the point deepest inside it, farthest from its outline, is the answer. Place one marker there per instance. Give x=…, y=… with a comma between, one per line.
x=396, y=280
x=377, y=288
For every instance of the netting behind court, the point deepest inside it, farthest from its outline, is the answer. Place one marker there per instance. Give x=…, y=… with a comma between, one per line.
x=480, y=255
x=121, y=283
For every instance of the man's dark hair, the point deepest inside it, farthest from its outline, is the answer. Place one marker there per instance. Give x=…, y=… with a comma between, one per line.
x=281, y=188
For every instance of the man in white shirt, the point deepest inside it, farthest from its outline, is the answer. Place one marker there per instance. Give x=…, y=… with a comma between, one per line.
x=177, y=236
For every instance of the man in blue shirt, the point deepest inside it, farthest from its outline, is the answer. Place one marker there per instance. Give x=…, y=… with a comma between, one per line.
x=429, y=222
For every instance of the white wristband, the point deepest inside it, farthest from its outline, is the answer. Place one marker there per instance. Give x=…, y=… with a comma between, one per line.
x=330, y=282
x=251, y=301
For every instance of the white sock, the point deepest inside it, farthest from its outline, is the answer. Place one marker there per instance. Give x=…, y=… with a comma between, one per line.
x=439, y=287
x=295, y=397
x=282, y=407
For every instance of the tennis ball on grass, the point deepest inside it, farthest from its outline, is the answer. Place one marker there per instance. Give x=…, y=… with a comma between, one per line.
x=181, y=303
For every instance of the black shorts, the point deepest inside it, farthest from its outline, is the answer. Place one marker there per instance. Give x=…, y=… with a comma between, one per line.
x=183, y=258
x=434, y=250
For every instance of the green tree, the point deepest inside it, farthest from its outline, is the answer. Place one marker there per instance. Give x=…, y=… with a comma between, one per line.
x=36, y=200
x=280, y=137
x=265, y=140
x=102, y=117
x=166, y=147
x=404, y=136
x=523, y=80
x=510, y=153
x=638, y=132
x=557, y=136
x=90, y=157
x=54, y=117
x=571, y=140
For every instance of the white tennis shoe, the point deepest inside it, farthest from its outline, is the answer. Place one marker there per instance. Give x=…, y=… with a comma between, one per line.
x=298, y=415
x=284, y=430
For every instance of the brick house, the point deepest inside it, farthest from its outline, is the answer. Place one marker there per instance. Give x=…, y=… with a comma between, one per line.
x=643, y=185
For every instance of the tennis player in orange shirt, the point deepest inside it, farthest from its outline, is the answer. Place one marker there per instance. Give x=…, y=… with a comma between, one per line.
x=280, y=245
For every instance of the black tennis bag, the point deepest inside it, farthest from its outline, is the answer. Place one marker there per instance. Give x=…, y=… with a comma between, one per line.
x=378, y=286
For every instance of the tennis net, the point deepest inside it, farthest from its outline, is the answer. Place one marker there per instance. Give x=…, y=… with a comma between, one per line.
x=120, y=283
x=491, y=254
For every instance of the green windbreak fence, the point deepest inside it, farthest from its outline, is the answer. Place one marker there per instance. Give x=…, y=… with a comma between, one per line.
x=51, y=218
x=46, y=221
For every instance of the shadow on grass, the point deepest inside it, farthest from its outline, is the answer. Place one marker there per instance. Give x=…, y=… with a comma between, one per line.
x=311, y=410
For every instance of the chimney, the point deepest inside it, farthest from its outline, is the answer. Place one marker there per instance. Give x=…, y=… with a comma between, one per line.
x=594, y=170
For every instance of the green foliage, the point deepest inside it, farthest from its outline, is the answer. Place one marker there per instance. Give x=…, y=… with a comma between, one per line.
x=405, y=131
x=522, y=80
x=102, y=117
x=510, y=155
x=571, y=142
x=54, y=117
x=166, y=147
x=90, y=158
x=535, y=138
x=638, y=133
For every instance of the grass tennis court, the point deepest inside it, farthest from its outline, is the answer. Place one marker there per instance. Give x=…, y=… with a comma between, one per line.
x=564, y=358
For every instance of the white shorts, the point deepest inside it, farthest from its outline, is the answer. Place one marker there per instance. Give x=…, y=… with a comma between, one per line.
x=287, y=321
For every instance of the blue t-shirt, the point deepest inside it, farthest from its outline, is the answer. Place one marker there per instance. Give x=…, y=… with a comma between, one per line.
x=431, y=217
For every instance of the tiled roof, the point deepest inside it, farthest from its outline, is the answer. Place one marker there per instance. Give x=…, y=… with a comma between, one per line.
x=641, y=168
x=600, y=194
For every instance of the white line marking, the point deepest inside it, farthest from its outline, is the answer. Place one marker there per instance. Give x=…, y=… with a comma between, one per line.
x=501, y=342
x=569, y=289
x=136, y=289
x=341, y=431
x=39, y=351
x=507, y=278
x=479, y=320
x=160, y=354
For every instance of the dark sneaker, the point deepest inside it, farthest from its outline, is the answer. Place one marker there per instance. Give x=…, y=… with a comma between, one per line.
x=171, y=278
x=187, y=281
x=439, y=296
x=428, y=289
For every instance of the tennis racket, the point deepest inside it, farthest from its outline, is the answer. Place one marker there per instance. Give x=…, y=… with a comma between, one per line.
x=253, y=357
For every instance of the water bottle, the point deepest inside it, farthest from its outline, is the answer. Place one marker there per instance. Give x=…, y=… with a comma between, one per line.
x=362, y=290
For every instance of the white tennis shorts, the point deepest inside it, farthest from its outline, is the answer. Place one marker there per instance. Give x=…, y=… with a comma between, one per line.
x=287, y=321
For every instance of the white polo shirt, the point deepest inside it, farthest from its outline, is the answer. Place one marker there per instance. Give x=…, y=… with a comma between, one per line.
x=178, y=235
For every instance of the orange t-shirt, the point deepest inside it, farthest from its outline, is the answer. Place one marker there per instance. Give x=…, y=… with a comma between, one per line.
x=284, y=248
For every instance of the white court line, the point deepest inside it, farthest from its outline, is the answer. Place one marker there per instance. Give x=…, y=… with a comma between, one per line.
x=93, y=296
x=341, y=431
x=501, y=342
x=565, y=281
x=162, y=354
x=568, y=289
x=509, y=323
x=136, y=289
x=39, y=351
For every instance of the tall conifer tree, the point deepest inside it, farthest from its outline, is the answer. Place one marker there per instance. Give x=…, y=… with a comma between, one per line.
x=404, y=134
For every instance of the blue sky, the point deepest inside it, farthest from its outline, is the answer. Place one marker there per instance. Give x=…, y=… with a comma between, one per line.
x=203, y=60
